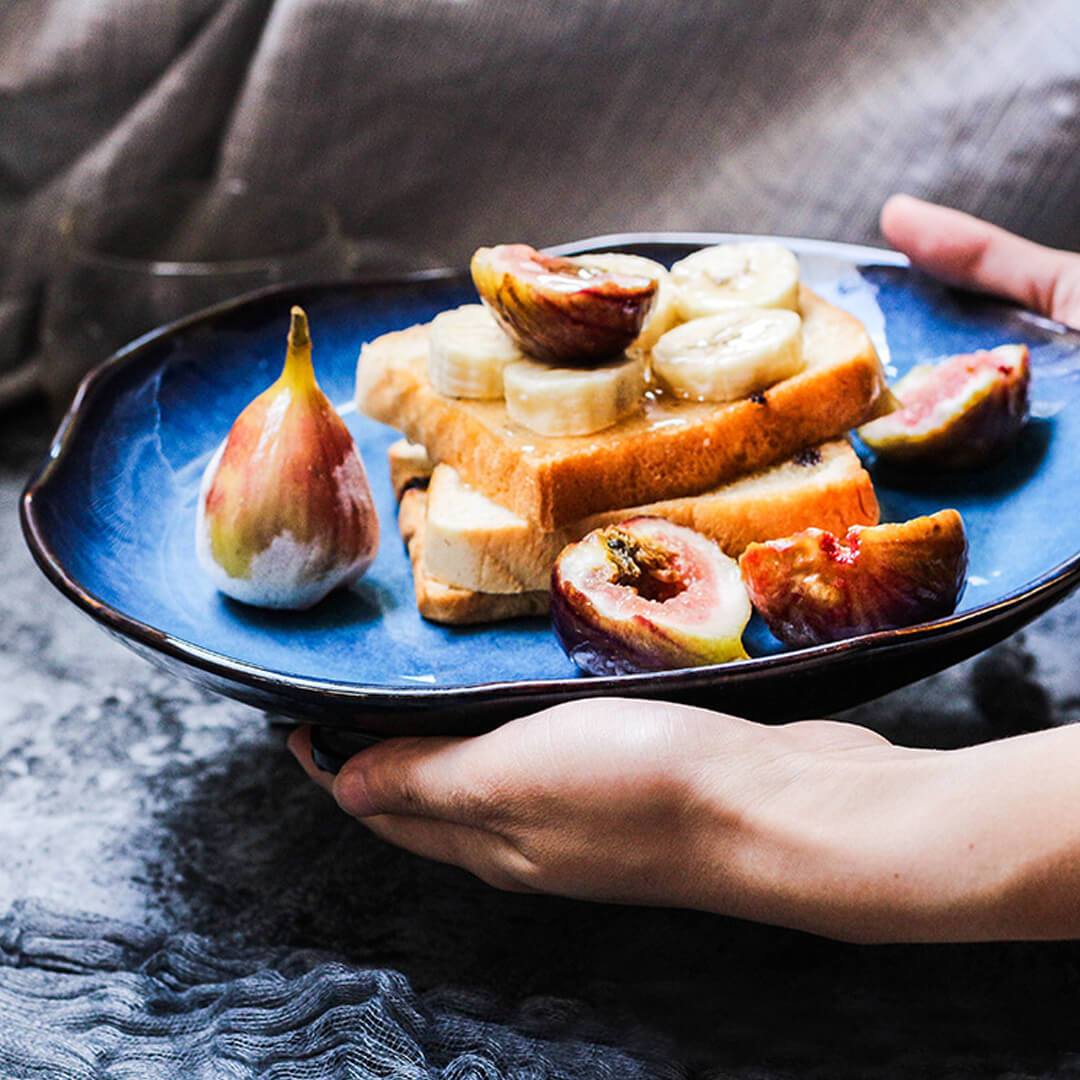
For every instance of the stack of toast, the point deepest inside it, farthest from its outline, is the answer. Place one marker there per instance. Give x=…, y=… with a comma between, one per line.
x=486, y=505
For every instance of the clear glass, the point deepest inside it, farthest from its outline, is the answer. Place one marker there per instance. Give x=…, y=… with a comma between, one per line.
x=131, y=265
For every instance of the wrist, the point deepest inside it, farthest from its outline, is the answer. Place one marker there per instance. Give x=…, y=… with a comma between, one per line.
x=983, y=847
x=828, y=838
x=1000, y=855
x=826, y=828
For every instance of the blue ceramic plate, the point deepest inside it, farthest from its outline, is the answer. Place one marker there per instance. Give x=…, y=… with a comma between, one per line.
x=110, y=517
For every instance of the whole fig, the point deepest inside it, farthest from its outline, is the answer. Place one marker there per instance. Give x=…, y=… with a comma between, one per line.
x=285, y=512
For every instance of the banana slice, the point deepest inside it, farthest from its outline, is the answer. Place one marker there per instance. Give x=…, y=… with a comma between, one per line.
x=573, y=401
x=664, y=313
x=731, y=276
x=730, y=356
x=467, y=353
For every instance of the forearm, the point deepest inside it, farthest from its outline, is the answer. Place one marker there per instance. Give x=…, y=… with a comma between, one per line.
x=1009, y=837
x=886, y=844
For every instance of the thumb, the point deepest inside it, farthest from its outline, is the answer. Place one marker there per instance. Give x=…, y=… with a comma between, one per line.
x=424, y=777
x=967, y=251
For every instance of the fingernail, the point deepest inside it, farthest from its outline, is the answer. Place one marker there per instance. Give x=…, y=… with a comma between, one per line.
x=302, y=747
x=351, y=791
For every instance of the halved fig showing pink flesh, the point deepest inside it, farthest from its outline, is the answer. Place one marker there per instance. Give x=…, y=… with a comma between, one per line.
x=815, y=586
x=961, y=412
x=558, y=309
x=646, y=595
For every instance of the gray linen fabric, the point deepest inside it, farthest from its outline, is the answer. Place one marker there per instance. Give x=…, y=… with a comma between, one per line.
x=100, y=999
x=435, y=125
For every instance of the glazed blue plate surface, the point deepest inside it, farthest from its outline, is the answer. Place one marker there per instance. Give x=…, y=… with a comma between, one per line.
x=110, y=516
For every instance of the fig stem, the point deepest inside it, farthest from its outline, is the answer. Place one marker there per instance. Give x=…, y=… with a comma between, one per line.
x=298, y=367
x=298, y=327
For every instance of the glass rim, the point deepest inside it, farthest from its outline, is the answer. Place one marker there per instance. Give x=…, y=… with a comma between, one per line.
x=86, y=252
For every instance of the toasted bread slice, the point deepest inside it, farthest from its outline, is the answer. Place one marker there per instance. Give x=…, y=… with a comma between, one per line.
x=472, y=542
x=448, y=604
x=671, y=449
x=410, y=467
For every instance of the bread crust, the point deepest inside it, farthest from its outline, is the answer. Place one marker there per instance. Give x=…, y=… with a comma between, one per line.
x=471, y=543
x=445, y=603
x=410, y=467
x=513, y=575
x=672, y=449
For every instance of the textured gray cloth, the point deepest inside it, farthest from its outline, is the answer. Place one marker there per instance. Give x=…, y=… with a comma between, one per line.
x=435, y=125
x=96, y=998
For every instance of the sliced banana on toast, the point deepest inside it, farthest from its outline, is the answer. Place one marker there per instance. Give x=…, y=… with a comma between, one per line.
x=729, y=356
x=728, y=276
x=468, y=351
x=554, y=400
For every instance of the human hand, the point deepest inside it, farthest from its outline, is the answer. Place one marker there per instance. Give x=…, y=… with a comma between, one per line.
x=967, y=251
x=652, y=803
x=818, y=825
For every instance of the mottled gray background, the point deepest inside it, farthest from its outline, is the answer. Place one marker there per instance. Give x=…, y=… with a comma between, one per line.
x=433, y=126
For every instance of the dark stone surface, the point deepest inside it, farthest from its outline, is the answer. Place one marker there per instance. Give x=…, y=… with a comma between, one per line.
x=126, y=793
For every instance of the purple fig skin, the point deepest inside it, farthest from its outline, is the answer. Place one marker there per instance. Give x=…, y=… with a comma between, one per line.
x=814, y=587
x=587, y=324
x=601, y=644
x=981, y=432
x=596, y=650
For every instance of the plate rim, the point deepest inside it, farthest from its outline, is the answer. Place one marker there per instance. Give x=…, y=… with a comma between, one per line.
x=1059, y=579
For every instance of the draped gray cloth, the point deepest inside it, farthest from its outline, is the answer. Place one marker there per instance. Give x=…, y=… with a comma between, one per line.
x=435, y=125
x=115, y=1000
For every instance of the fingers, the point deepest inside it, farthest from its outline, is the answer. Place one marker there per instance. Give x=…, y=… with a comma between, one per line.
x=417, y=777
x=486, y=855
x=966, y=251
x=512, y=773
x=299, y=744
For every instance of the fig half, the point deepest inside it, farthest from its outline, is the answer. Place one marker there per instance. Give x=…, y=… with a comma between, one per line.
x=815, y=586
x=558, y=309
x=647, y=595
x=963, y=411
